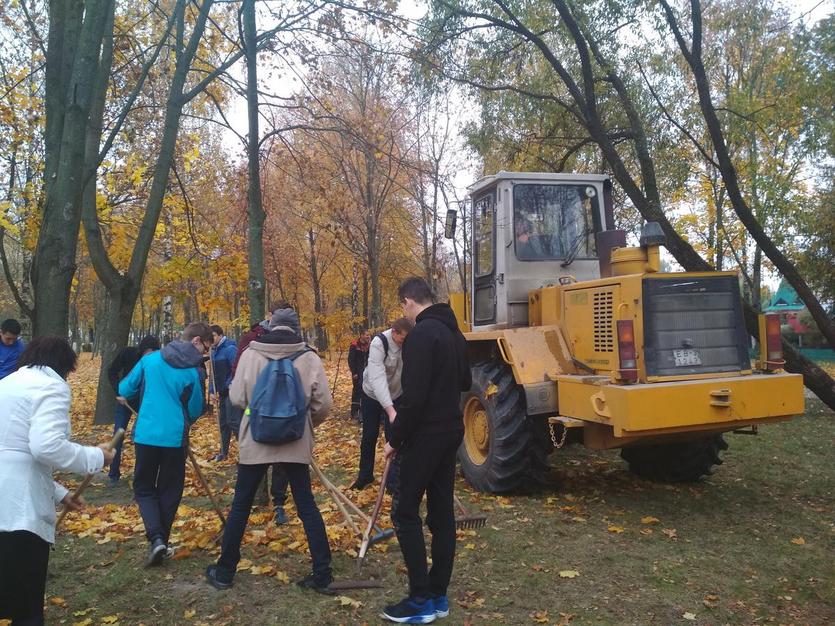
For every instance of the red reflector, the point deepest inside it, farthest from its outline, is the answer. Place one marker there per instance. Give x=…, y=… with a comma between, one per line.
x=773, y=341
x=626, y=351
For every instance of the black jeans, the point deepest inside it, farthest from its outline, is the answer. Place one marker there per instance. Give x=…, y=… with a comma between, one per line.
x=278, y=486
x=23, y=563
x=158, y=487
x=249, y=477
x=372, y=414
x=223, y=421
x=356, y=395
x=427, y=465
x=121, y=419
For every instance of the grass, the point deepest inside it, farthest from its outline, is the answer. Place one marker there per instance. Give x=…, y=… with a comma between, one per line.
x=752, y=544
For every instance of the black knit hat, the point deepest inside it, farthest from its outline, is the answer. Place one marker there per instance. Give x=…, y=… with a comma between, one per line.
x=148, y=342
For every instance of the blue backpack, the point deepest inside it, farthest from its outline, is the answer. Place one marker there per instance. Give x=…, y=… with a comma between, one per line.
x=278, y=410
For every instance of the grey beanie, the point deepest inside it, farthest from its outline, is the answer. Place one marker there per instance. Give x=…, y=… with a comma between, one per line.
x=286, y=317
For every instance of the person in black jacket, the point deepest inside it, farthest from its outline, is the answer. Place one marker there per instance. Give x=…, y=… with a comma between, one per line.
x=121, y=366
x=357, y=362
x=425, y=435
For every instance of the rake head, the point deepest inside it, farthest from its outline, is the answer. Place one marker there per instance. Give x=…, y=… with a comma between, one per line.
x=470, y=522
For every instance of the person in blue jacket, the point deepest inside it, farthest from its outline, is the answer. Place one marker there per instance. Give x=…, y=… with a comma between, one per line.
x=223, y=355
x=171, y=392
x=11, y=346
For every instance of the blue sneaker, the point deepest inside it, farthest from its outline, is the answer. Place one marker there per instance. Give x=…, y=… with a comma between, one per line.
x=441, y=604
x=411, y=611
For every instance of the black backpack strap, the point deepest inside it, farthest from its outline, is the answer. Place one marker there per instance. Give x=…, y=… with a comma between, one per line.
x=385, y=341
x=296, y=355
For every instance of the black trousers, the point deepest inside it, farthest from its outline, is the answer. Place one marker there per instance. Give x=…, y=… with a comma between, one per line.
x=427, y=466
x=224, y=422
x=356, y=395
x=249, y=477
x=372, y=414
x=23, y=563
x=158, y=480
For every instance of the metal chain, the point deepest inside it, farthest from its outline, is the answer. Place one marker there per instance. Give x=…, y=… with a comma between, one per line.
x=554, y=437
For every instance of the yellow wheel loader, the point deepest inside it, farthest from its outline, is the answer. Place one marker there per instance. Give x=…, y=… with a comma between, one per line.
x=574, y=337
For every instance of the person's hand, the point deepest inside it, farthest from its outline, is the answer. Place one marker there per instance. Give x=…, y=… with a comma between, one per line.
x=72, y=503
x=122, y=400
x=109, y=452
x=392, y=413
x=389, y=451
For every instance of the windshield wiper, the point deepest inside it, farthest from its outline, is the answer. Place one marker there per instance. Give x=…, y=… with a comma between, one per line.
x=575, y=249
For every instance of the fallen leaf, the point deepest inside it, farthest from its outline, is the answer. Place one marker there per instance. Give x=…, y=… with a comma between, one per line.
x=690, y=616
x=109, y=619
x=646, y=531
x=670, y=532
x=540, y=617
x=189, y=613
x=244, y=564
x=81, y=613
x=346, y=601
x=283, y=577
x=85, y=622
x=569, y=573
x=649, y=519
x=616, y=529
x=799, y=541
x=258, y=570
x=58, y=601
x=491, y=390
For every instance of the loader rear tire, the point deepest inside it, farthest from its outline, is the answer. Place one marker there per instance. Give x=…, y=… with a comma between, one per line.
x=676, y=462
x=497, y=453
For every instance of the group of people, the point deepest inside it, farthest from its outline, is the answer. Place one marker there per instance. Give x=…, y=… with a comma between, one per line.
x=411, y=381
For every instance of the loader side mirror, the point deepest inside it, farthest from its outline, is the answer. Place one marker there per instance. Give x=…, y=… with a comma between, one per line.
x=450, y=223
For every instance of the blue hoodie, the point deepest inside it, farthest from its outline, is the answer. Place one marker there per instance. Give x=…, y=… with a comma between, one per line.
x=9, y=356
x=170, y=389
x=223, y=356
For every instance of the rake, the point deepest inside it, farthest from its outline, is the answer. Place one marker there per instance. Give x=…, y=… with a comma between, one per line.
x=366, y=538
x=467, y=521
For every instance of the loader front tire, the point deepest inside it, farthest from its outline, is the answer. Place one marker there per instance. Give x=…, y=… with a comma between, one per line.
x=675, y=462
x=497, y=453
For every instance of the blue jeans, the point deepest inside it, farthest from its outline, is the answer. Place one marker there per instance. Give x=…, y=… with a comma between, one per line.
x=121, y=419
x=249, y=478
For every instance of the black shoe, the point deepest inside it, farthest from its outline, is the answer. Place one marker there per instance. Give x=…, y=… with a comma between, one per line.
x=361, y=483
x=280, y=516
x=156, y=552
x=214, y=581
x=318, y=585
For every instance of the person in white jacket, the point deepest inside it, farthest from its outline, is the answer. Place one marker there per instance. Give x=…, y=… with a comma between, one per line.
x=34, y=441
x=380, y=392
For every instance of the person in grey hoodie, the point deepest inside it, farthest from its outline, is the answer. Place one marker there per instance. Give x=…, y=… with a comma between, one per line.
x=170, y=386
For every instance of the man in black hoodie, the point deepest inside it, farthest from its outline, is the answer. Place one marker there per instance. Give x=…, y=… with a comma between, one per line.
x=425, y=435
x=121, y=366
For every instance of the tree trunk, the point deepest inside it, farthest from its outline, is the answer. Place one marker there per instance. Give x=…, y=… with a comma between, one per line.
x=55, y=254
x=117, y=324
x=255, y=208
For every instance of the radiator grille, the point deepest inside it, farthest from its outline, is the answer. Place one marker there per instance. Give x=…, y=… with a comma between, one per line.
x=694, y=326
x=604, y=337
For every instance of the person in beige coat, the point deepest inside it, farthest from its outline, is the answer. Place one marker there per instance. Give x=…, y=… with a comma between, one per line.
x=295, y=456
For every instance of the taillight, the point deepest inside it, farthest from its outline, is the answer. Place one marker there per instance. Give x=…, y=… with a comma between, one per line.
x=773, y=343
x=626, y=351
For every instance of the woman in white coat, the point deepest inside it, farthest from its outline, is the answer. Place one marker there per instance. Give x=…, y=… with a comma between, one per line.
x=34, y=441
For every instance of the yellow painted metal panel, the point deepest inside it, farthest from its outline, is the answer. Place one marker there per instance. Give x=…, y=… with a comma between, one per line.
x=676, y=405
x=460, y=306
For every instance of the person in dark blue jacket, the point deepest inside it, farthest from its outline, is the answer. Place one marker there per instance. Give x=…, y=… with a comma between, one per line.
x=223, y=354
x=171, y=392
x=11, y=346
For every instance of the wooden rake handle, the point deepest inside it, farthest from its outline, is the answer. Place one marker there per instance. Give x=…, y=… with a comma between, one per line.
x=377, y=506
x=117, y=437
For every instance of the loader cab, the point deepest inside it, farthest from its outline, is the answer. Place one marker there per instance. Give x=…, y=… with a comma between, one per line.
x=529, y=230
